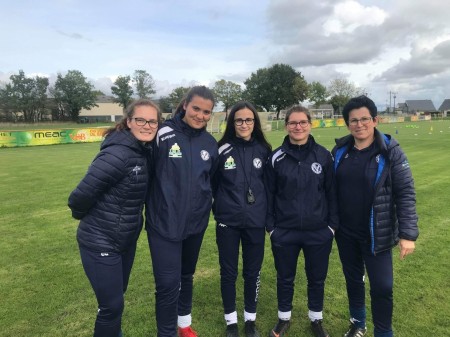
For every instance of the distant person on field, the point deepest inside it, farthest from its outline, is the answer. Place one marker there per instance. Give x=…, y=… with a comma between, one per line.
x=377, y=210
x=239, y=208
x=108, y=202
x=301, y=215
x=178, y=208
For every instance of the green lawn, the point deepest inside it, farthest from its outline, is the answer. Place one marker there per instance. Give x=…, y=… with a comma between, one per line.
x=44, y=291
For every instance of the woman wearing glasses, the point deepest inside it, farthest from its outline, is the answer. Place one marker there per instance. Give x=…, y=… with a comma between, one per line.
x=239, y=209
x=109, y=202
x=302, y=215
x=376, y=209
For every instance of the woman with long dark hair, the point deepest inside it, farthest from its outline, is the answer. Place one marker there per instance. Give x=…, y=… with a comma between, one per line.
x=239, y=209
x=178, y=208
x=108, y=202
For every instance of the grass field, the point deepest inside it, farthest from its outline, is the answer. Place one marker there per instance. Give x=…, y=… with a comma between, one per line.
x=44, y=292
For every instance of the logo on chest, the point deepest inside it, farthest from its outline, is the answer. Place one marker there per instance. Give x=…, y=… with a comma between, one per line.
x=257, y=163
x=175, y=151
x=136, y=169
x=316, y=168
x=204, y=154
x=230, y=164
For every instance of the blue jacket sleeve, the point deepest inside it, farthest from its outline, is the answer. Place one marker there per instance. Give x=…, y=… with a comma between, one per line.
x=404, y=195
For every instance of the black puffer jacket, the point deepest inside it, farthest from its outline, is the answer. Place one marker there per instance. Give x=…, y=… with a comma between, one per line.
x=393, y=215
x=110, y=198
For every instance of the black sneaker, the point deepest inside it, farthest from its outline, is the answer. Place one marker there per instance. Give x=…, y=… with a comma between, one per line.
x=232, y=330
x=318, y=330
x=354, y=331
x=280, y=329
x=250, y=329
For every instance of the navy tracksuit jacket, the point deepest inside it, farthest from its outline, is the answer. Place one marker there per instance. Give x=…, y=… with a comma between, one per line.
x=177, y=214
x=240, y=169
x=241, y=163
x=302, y=206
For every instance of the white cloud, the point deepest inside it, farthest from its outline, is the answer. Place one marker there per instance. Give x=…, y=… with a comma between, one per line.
x=381, y=45
x=349, y=15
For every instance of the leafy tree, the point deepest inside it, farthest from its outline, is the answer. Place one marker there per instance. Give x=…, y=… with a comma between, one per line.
x=122, y=91
x=228, y=93
x=144, y=83
x=177, y=95
x=342, y=87
x=98, y=93
x=317, y=93
x=26, y=95
x=257, y=87
x=338, y=102
x=165, y=105
x=276, y=87
x=341, y=90
x=72, y=93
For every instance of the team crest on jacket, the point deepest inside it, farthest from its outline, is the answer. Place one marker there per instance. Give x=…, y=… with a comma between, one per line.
x=230, y=164
x=316, y=168
x=257, y=163
x=204, y=154
x=175, y=151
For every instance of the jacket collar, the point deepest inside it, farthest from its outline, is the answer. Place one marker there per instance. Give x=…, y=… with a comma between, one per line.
x=183, y=127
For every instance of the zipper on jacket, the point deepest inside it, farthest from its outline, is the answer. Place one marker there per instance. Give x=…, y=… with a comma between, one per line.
x=188, y=220
x=300, y=201
x=372, y=232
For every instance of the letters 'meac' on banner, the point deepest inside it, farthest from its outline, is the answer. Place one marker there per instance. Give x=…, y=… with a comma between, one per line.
x=50, y=137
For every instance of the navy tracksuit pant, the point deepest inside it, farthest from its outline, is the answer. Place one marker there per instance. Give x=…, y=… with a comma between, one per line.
x=286, y=247
x=228, y=240
x=108, y=274
x=356, y=257
x=174, y=264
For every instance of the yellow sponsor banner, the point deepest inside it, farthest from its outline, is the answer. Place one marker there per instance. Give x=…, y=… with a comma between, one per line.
x=391, y=119
x=315, y=123
x=327, y=123
x=340, y=122
x=50, y=137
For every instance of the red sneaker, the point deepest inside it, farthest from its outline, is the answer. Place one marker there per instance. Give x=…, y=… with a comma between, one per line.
x=186, y=332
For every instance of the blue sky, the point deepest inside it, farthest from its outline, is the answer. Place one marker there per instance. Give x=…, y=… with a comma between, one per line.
x=400, y=46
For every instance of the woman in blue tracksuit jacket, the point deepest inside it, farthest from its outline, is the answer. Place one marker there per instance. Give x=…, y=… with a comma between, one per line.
x=178, y=208
x=377, y=210
x=302, y=215
x=239, y=208
x=108, y=202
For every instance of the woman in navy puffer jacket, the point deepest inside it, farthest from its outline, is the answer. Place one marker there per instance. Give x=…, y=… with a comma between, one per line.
x=108, y=202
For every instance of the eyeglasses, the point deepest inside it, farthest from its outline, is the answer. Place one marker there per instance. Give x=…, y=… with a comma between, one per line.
x=363, y=120
x=293, y=125
x=141, y=122
x=240, y=121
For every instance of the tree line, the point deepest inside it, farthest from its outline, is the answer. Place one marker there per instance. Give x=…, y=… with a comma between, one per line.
x=271, y=89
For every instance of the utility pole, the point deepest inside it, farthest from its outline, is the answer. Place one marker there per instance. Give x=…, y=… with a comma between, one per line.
x=390, y=101
x=391, y=93
x=394, y=100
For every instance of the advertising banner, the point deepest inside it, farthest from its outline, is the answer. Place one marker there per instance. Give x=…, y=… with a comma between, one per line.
x=327, y=123
x=50, y=137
